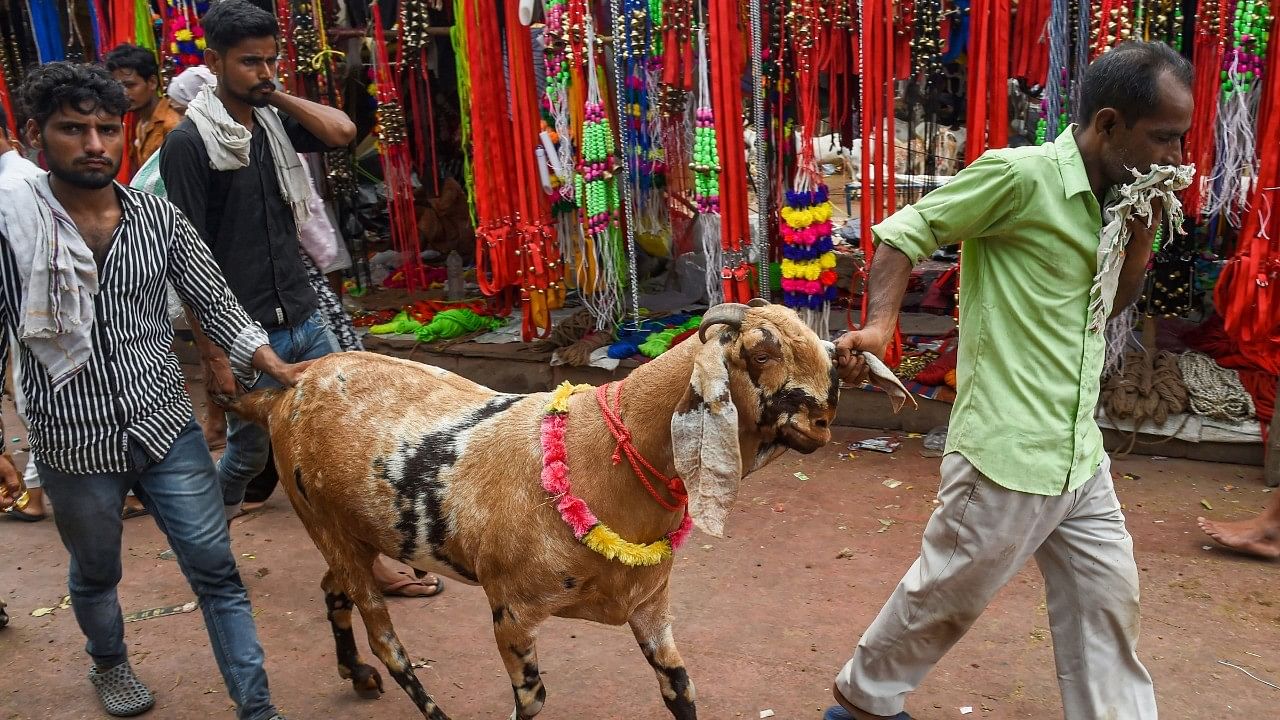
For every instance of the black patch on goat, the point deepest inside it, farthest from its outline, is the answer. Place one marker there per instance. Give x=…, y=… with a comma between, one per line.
x=769, y=345
x=570, y=583
x=833, y=393
x=681, y=706
x=424, y=459
x=297, y=480
x=785, y=402
x=498, y=613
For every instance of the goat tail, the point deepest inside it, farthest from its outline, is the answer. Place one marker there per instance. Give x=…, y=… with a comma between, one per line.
x=254, y=407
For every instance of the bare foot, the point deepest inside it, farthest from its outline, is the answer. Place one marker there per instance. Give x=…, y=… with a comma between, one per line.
x=1258, y=536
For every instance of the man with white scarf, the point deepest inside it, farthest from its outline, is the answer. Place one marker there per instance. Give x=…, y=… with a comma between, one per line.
x=83, y=267
x=232, y=166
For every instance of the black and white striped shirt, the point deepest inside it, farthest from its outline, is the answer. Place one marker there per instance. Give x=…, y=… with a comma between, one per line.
x=132, y=387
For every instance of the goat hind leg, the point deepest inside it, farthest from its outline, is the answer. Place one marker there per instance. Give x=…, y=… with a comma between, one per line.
x=651, y=624
x=364, y=678
x=382, y=638
x=515, y=633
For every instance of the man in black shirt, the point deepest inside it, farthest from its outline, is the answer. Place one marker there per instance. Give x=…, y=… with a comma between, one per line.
x=232, y=167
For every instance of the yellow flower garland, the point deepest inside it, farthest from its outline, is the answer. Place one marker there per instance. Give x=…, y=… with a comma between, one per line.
x=804, y=217
x=808, y=269
x=611, y=545
x=560, y=398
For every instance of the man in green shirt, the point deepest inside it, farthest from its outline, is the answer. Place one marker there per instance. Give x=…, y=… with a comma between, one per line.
x=1025, y=474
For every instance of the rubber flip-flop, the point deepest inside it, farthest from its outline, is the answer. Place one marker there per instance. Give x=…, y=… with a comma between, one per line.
x=401, y=588
x=835, y=712
x=133, y=513
x=20, y=516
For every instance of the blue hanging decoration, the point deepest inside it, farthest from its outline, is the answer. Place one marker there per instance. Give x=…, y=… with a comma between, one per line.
x=959, y=40
x=46, y=30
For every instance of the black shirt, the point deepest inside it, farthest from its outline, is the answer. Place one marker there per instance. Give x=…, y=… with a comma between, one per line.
x=245, y=220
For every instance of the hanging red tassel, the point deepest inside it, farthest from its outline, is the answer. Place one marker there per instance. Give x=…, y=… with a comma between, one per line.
x=878, y=196
x=727, y=62
x=1207, y=51
x=1248, y=290
x=393, y=150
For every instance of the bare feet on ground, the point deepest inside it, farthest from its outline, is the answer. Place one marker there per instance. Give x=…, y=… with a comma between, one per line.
x=1258, y=536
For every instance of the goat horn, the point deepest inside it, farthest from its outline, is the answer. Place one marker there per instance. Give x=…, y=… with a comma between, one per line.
x=730, y=314
x=758, y=303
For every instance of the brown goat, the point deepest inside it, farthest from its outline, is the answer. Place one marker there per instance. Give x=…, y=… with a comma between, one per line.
x=448, y=474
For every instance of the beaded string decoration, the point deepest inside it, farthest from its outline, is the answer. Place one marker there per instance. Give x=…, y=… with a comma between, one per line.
x=1242, y=67
x=393, y=150
x=1208, y=49
x=1248, y=290
x=877, y=97
x=586, y=527
x=640, y=46
x=1053, y=106
x=676, y=85
x=1159, y=20
x=598, y=198
x=705, y=165
x=727, y=59
x=556, y=154
x=412, y=49
x=184, y=37
x=808, y=257
x=1112, y=25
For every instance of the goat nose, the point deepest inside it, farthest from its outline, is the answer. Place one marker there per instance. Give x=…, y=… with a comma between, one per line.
x=822, y=423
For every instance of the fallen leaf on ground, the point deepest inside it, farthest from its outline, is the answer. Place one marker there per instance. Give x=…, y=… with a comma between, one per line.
x=802, y=477
x=891, y=484
x=845, y=554
x=1206, y=504
x=766, y=713
x=262, y=572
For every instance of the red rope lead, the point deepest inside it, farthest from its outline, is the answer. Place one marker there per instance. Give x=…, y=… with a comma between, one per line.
x=612, y=413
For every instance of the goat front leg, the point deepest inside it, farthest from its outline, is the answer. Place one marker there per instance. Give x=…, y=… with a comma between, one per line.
x=651, y=624
x=516, y=633
x=364, y=678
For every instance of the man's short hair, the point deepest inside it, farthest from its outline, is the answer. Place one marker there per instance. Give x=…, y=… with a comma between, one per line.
x=131, y=57
x=230, y=22
x=1128, y=79
x=85, y=88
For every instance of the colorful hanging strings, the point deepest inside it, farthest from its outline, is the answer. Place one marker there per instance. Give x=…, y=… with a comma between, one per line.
x=601, y=270
x=1053, y=106
x=1208, y=50
x=808, y=256
x=726, y=68
x=391, y=132
x=875, y=60
x=516, y=247
x=1248, y=291
x=184, y=37
x=1242, y=65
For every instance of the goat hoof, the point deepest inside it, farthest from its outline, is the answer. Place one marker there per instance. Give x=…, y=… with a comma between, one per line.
x=366, y=681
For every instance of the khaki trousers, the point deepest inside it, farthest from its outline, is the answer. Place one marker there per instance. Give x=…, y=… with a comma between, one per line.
x=974, y=543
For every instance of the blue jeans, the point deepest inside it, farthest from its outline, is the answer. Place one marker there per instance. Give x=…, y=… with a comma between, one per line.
x=248, y=445
x=181, y=493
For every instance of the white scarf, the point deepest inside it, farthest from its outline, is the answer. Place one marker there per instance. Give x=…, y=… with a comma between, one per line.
x=59, y=277
x=1123, y=203
x=228, y=142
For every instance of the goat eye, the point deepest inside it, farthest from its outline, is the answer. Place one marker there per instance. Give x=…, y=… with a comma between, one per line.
x=762, y=359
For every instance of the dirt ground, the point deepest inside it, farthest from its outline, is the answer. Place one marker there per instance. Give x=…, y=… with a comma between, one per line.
x=764, y=617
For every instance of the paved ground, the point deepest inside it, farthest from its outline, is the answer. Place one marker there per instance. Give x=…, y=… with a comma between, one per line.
x=764, y=617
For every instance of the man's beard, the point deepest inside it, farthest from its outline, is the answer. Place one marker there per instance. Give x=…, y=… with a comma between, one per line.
x=85, y=179
x=253, y=98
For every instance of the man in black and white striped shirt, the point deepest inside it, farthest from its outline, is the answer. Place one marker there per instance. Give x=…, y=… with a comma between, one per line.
x=83, y=266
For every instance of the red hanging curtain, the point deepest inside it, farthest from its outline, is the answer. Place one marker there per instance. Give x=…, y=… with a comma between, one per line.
x=987, y=111
x=1248, y=290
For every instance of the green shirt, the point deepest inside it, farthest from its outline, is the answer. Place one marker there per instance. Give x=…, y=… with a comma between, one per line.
x=1028, y=369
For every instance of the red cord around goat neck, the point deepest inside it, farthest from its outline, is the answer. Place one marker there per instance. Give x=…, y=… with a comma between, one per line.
x=613, y=419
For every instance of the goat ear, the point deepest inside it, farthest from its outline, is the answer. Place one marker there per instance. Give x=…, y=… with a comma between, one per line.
x=883, y=377
x=704, y=440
